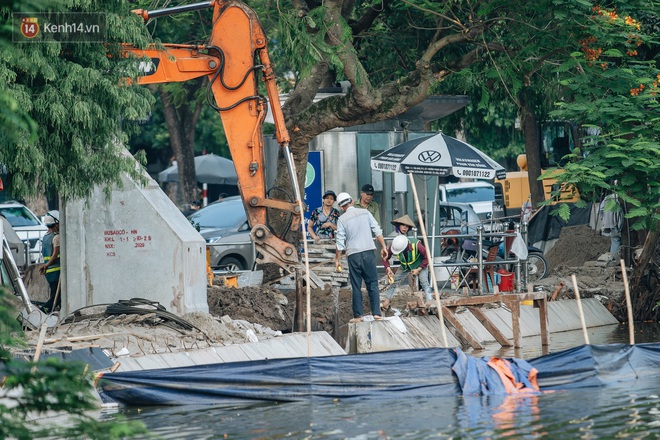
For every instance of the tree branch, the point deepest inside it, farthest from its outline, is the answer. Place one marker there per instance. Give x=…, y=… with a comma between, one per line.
x=362, y=91
x=368, y=18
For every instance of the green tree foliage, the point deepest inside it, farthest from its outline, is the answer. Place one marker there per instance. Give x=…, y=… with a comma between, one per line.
x=32, y=390
x=612, y=89
x=395, y=54
x=612, y=82
x=68, y=108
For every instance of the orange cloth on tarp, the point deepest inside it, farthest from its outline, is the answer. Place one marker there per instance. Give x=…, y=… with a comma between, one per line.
x=511, y=384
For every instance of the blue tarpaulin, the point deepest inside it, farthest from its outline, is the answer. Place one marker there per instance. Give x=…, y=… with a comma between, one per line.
x=392, y=374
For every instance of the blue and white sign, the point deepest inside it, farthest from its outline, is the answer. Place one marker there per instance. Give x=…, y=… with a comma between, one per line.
x=313, y=184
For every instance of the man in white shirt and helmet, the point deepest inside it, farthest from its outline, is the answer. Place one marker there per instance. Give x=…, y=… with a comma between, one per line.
x=354, y=236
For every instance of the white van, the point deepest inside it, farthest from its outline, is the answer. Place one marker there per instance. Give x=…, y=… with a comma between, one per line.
x=478, y=194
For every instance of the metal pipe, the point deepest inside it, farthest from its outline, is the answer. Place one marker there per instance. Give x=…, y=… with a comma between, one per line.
x=15, y=276
x=480, y=250
x=292, y=173
x=178, y=9
x=525, y=277
x=518, y=263
x=441, y=317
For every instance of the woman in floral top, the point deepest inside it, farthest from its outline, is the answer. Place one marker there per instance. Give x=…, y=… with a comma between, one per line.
x=323, y=221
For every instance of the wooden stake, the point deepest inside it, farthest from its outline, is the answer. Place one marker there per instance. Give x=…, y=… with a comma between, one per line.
x=426, y=245
x=304, y=238
x=82, y=338
x=40, y=342
x=631, y=327
x=57, y=294
x=579, y=303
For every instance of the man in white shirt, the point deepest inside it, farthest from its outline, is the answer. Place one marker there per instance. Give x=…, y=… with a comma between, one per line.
x=354, y=235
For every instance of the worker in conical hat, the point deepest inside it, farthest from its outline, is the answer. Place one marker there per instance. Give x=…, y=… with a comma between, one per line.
x=403, y=224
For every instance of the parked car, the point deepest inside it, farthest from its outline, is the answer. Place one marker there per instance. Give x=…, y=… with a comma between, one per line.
x=225, y=228
x=15, y=243
x=478, y=194
x=27, y=225
x=457, y=216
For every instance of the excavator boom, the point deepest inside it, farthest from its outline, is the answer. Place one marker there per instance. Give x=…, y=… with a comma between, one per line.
x=229, y=61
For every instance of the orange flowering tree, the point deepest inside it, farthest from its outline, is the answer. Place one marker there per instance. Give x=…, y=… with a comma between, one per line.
x=612, y=81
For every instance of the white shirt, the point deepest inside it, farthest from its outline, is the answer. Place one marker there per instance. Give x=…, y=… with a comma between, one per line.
x=354, y=230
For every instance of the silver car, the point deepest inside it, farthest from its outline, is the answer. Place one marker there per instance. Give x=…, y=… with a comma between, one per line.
x=27, y=225
x=225, y=228
x=15, y=243
x=458, y=216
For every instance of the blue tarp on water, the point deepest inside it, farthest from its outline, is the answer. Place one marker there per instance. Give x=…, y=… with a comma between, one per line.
x=597, y=365
x=425, y=372
x=392, y=374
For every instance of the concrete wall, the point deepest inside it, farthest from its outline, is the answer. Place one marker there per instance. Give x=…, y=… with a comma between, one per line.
x=137, y=244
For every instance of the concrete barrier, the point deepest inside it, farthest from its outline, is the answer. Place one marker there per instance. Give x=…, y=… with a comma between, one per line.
x=136, y=244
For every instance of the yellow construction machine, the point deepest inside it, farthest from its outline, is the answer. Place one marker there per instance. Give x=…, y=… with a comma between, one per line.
x=556, y=140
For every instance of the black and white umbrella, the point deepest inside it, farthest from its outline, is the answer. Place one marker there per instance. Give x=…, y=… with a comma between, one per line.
x=438, y=155
x=209, y=168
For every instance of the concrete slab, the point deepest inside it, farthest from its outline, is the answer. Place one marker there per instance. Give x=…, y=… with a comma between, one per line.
x=420, y=332
x=324, y=345
x=231, y=353
x=175, y=360
x=424, y=331
x=203, y=356
x=286, y=346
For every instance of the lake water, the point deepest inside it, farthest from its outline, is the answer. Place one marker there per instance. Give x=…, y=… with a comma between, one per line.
x=627, y=411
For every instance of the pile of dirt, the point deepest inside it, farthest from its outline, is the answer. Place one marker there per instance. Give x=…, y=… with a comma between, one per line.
x=577, y=245
x=262, y=305
x=330, y=309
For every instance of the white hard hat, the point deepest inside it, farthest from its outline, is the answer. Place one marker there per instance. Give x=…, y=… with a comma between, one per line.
x=343, y=199
x=49, y=220
x=55, y=214
x=399, y=244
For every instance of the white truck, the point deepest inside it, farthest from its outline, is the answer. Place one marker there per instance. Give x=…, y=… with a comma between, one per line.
x=478, y=194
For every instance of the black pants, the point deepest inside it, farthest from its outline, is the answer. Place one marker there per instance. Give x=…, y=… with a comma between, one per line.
x=48, y=305
x=362, y=266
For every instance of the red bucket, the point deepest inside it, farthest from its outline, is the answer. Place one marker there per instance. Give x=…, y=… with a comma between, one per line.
x=506, y=281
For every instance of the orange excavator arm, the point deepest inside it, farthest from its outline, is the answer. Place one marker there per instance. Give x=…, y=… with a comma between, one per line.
x=229, y=61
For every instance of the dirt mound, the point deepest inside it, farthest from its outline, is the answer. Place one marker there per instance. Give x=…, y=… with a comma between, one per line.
x=261, y=305
x=275, y=309
x=577, y=245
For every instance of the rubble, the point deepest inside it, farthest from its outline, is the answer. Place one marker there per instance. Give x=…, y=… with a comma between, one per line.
x=321, y=257
x=583, y=252
x=239, y=315
x=138, y=335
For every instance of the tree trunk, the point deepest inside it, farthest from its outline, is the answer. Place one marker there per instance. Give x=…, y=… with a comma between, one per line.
x=181, y=122
x=643, y=300
x=532, y=151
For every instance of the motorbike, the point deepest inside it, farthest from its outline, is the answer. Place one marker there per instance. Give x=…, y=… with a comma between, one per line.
x=537, y=265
